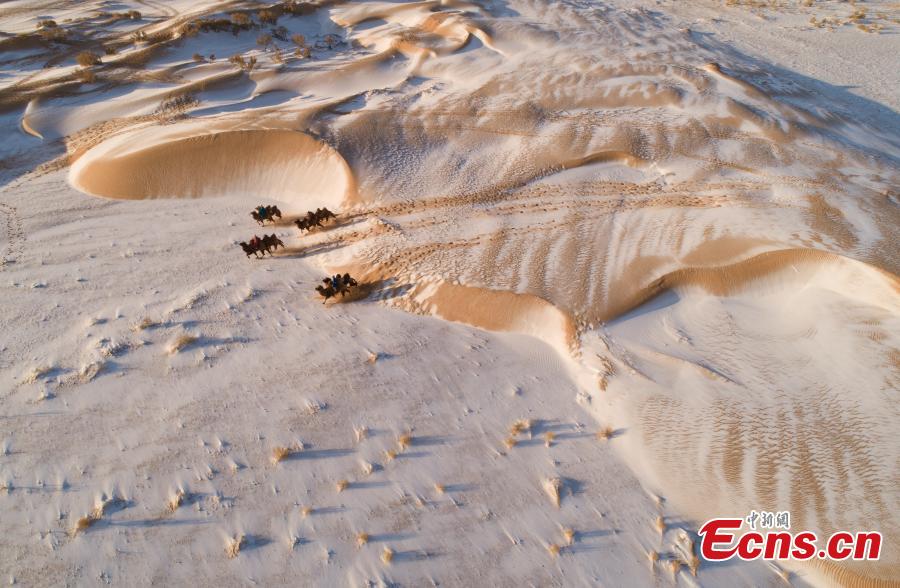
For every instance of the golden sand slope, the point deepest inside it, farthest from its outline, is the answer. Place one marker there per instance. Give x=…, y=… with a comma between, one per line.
x=285, y=165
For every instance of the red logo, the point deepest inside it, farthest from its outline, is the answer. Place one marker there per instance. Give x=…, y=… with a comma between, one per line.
x=721, y=539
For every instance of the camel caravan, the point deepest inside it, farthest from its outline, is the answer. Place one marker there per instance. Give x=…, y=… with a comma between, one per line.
x=260, y=246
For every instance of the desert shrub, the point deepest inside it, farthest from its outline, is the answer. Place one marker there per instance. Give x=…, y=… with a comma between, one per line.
x=268, y=16
x=302, y=52
x=264, y=39
x=240, y=19
x=197, y=57
x=46, y=24
x=53, y=34
x=109, y=50
x=87, y=59
x=299, y=40
x=177, y=104
x=245, y=64
x=160, y=37
x=134, y=15
x=180, y=343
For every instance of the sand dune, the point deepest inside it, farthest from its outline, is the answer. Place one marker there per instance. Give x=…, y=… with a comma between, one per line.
x=288, y=166
x=722, y=380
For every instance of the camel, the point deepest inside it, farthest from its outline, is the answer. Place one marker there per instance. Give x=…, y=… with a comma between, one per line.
x=314, y=219
x=335, y=285
x=266, y=213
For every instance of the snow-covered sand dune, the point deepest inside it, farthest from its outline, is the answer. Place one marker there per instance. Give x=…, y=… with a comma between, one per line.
x=582, y=216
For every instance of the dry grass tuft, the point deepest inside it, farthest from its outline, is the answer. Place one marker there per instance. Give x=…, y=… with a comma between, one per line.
x=95, y=515
x=387, y=556
x=694, y=565
x=404, y=441
x=569, y=535
x=554, y=549
x=305, y=511
x=521, y=426
x=510, y=442
x=181, y=342
x=176, y=500
x=675, y=566
x=439, y=488
x=390, y=455
x=146, y=323
x=653, y=556
x=281, y=453
x=87, y=59
x=605, y=434
x=84, y=523
x=361, y=433
x=233, y=546
x=342, y=485
x=367, y=468
x=549, y=437
x=660, y=524
x=553, y=487
x=362, y=539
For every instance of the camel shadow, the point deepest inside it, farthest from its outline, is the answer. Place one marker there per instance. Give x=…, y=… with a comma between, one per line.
x=299, y=252
x=319, y=454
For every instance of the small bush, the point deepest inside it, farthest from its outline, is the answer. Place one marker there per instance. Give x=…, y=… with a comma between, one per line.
x=134, y=15
x=87, y=59
x=46, y=24
x=299, y=40
x=264, y=39
x=177, y=105
x=280, y=454
x=268, y=16
x=605, y=434
x=245, y=64
x=197, y=57
x=240, y=19
x=233, y=546
x=180, y=343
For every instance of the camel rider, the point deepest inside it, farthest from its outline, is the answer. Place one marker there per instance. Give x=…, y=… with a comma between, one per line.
x=261, y=211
